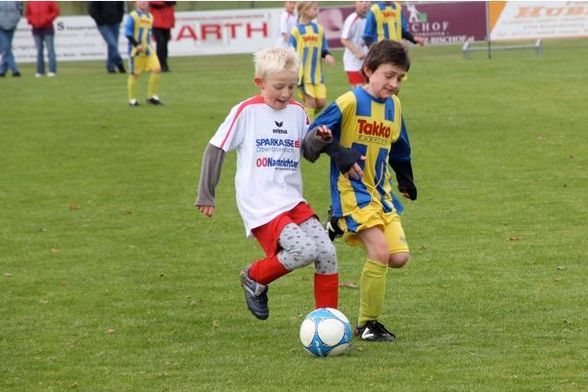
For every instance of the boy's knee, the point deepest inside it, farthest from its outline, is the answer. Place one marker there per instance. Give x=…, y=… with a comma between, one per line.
x=398, y=260
x=309, y=253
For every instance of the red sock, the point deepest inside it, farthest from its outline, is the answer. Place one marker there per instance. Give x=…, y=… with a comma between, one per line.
x=326, y=290
x=267, y=270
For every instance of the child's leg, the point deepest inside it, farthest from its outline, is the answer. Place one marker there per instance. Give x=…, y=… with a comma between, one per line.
x=309, y=106
x=373, y=276
x=297, y=250
x=132, y=86
x=153, y=84
x=326, y=277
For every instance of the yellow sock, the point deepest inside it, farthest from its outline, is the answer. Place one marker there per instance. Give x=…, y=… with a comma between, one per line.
x=309, y=112
x=372, y=287
x=153, y=84
x=132, y=87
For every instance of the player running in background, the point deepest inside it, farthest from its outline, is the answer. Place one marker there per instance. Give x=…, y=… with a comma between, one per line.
x=267, y=130
x=308, y=39
x=385, y=21
x=368, y=119
x=142, y=55
x=287, y=22
x=352, y=40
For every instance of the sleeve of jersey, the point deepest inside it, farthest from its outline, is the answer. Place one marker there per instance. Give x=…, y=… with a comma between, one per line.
x=294, y=38
x=129, y=26
x=400, y=151
x=325, y=49
x=230, y=134
x=332, y=118
x=346, y=30
x=284, y=23
x=369, y=30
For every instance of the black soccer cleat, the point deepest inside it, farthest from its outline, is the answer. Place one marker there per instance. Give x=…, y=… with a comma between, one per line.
x=133, y=102
x=374, y=331
x=255, y=295
x=154, y=100
x=332, y=226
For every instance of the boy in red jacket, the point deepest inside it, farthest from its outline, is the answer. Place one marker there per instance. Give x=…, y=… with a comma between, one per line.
x=40, y=15
x=163, y=21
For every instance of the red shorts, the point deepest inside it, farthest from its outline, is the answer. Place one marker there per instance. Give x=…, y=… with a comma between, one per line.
x=268, y=235
x=355, y=77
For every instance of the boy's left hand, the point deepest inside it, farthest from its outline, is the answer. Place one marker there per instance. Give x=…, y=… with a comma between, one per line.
x=329, y=59
x=323, y=132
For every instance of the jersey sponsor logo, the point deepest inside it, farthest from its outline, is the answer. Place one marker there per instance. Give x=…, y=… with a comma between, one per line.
x=278, y=164
x=279, y=125
x=389, y=14
x=310, y=38
x=373, y=128
x=276, y=145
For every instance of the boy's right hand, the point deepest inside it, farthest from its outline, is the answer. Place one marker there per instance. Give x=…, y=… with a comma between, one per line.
x=355, y=171
x=206, y=210
x=136, y=51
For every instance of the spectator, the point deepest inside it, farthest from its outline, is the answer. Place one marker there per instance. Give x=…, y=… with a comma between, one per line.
x=163, y=21
x=10, y=12
x=108, y=16
x=40, y=15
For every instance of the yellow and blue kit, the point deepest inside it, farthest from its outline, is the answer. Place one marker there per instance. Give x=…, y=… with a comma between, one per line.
x=375, y=128
x=311, y=45
x=138, y=30
x=385, y=21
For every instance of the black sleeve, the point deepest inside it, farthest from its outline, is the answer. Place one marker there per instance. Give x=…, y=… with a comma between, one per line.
x=407, y=35
x=344, y=157
x=405, y=178
x=132, y=40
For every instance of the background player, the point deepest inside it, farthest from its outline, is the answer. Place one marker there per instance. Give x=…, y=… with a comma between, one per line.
x=142, y=56
x=308, y=39
x=352, y=40
x=385, y=20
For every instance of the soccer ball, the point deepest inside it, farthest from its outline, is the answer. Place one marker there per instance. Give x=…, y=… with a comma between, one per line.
x=325, y=332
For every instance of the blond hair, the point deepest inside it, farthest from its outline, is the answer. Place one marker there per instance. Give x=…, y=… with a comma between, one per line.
x=272, y=60
x=302, y=6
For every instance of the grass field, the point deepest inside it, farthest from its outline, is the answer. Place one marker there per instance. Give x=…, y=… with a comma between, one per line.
x=110, y=280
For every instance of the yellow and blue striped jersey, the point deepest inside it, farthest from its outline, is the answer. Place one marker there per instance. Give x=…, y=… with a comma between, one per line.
x=385, y=21
x=311, y=45
x=138, y=25
x=370, y=126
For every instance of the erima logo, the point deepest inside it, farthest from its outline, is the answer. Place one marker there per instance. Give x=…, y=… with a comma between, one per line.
x=279, y=125
x=373, y=128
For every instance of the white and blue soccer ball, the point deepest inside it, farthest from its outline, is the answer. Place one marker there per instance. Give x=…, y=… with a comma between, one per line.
x=325, y=332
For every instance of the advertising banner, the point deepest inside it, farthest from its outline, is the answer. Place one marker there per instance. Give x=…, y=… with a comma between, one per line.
x=510, y=20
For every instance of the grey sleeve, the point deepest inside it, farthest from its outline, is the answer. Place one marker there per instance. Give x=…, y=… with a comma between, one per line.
x=312, y=146
x=212, y=164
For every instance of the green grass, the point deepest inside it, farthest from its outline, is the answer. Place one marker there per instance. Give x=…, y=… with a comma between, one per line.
x=110, y=280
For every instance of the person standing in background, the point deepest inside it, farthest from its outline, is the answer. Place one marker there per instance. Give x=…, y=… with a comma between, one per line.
x=10, y=12
x=40, y=15
x=287, y=21
x=163, y=21
x=108, y=16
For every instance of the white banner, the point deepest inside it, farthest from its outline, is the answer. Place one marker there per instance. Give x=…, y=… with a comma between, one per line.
x=196, y=33
x=538, y=19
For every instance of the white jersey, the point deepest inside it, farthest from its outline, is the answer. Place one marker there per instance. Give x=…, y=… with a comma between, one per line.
x=352, y=31
x=287, y=21
x=268, y=181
